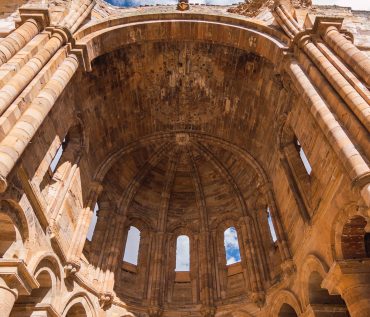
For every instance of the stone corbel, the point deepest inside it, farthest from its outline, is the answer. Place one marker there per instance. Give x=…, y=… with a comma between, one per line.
x=71, y=268
x=106, y=300
x=16, y=275
x=39, y=14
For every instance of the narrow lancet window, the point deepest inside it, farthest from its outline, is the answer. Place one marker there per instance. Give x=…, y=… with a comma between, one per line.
x=367, y=244
x=271, y=225
x=132, y=246
x=182, y=253
x=94, y=219
x=58, y=156
x=303, y=157
x=231, y=244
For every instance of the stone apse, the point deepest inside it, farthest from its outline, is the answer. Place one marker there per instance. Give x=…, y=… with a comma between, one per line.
x=252, y=118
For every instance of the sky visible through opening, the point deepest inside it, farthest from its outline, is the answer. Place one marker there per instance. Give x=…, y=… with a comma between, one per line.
x=354, y=4
x=231, y=243
x=182, y=253
x=94, y=219
x=132, y=246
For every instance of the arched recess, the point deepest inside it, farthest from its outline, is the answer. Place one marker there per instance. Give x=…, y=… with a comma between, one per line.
x=235, y=277
x=14, y=232
x=285, y=304
x=295, y=170
x=129, y=275
x=287, y=311
x=314, y=296
x=66, y=153
x=349, y=233
x=311, y=264
x=182, y=284
x=79, y=306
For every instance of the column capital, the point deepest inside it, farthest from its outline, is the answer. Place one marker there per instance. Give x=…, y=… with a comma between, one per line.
x=39, y=14
x=322, y=23
x=15, y=273
x=346, y=274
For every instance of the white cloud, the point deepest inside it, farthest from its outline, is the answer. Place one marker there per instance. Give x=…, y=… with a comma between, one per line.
x=231, y=246
x=354, y=4
x=132, y=246
x=182, y=254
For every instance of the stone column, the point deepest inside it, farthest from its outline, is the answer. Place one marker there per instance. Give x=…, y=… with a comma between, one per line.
x=17, y=40
x=351, y=279
x=13, y=145
x=357, y=60
x=8, y=297
x=356, y=167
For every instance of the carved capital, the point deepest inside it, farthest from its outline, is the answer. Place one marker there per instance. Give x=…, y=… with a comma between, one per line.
x=71, y=268
x=106, y=300
x=17, y=277
x=40, y=15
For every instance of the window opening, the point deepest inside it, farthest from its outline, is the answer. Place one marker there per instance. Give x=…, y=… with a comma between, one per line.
x=303, y=157
x=271, y=225
x=58, y=155
x=131, y=254
x=94, y=219
x=367, y=244
x=231, y=244
x=182, y=253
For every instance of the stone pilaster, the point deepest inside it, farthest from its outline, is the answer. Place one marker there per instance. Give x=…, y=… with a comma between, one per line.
x=15, y=280
x=351, y=279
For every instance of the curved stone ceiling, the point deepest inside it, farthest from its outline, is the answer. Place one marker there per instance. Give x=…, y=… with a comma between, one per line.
x=155, y=87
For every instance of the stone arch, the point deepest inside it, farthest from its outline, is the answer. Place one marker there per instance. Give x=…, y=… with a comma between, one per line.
x=311, y=264
x=79, y=305
x=346, y=216
x=283, y=303
x=14, y=233
x=109, y=35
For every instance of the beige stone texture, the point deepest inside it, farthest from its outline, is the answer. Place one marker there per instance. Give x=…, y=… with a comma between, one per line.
x=252, y=119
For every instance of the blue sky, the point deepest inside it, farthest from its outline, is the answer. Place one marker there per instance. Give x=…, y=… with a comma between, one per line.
x=355, y=4
x=231, y=246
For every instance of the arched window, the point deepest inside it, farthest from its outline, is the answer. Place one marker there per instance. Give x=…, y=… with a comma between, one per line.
x=182, y=253
x=93, y=221
x=131, y=254
x=303, y=157
x=231, y=244
x=271, y=225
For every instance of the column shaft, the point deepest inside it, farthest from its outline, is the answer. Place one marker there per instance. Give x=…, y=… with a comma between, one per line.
x=13, y=145
x=17, y=40
x=357, y=60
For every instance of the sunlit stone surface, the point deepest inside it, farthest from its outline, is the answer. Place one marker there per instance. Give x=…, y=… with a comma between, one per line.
x=165, y=160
